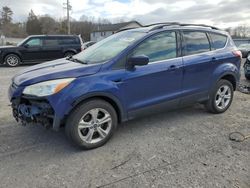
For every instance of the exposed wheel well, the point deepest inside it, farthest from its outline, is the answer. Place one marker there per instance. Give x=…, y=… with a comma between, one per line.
x=231, y=79
x=107, y=99
x=69, y=51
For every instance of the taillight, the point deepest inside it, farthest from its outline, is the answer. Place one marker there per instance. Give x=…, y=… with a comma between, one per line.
x=237, y=53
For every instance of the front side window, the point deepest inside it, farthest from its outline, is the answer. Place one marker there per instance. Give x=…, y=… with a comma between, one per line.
x=219, y=41
x=34, y=42
x=196, y=42
x=159, y=47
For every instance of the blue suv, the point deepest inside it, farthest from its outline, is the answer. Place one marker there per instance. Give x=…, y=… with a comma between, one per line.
x=129, y=74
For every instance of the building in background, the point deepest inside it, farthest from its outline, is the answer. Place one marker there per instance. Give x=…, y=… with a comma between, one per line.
x=103, y=31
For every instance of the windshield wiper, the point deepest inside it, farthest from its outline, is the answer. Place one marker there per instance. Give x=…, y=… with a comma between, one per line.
x=75, y=60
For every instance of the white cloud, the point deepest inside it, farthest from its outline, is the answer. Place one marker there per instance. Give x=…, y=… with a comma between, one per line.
x=217, y=12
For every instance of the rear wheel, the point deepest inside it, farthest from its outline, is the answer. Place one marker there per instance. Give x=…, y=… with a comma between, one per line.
x=221, y=97
x=91, y=124
x=69, y=54
x=12, y=60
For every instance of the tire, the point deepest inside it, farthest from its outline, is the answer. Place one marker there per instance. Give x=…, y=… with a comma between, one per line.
x=12, y=60
x=247, y=76
x=68, y=54
x=84, y=126
x=216, y=99
x=248, y=54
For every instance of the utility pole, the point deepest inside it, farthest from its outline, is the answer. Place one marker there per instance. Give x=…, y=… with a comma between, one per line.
x=68, y=8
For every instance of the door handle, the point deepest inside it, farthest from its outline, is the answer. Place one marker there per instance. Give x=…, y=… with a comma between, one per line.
x=117, y=81
x=172, y=67
x=214, y=58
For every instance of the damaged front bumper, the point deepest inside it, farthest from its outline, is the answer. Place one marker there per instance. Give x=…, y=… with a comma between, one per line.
x=29, y=109
x=33, y=110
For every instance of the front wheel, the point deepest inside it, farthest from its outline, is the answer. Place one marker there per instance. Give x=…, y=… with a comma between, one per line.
x=221, y=97
x=91, y=124
x=12, y=60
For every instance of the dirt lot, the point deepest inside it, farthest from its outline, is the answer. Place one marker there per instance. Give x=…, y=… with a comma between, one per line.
x=183, y=148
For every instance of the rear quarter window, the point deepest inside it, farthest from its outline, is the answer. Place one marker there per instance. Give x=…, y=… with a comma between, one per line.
x=69, y=41
x=218, y=41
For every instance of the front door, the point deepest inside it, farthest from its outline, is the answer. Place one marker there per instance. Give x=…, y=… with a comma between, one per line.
x=156, y=85
x=32, y=50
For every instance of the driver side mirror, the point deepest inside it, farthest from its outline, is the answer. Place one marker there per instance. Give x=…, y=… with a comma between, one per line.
x=26, y=46
x=140, y=60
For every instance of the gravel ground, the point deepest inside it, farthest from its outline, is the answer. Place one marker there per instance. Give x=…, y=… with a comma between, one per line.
x=183, y=148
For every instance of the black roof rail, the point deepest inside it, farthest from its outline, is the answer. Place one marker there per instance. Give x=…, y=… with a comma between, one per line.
x=165, y=24
x=161, y=25
x=120, y=30
x=201, y=25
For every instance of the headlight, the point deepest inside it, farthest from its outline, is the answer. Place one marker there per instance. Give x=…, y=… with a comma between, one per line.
x=48, y=87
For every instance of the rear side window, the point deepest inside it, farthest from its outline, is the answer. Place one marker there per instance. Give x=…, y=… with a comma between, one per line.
x=50, y=42
x=69, y=41
x=196, y=42
x=159, y=47
x=219, y=41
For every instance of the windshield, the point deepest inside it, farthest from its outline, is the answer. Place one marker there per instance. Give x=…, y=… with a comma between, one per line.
x=109, y=48
x=20, y=43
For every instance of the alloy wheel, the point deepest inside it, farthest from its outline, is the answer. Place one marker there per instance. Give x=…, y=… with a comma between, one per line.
x=95, y=125
x=223, y=97
x=12, y=61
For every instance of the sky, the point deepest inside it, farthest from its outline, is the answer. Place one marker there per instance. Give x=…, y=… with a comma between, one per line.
x=220, y=13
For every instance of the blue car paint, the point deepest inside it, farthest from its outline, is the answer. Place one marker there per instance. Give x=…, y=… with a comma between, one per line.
x=180, y=79
x=56, y=69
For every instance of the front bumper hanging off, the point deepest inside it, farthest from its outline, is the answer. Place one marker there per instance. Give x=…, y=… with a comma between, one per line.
x=28, y=110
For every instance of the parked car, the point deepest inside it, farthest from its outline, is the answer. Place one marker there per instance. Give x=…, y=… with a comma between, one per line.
x=239, y=41
x=247, y=67
x=87, y=44
x=245, y=49
x=40, y=48
x=129, y=74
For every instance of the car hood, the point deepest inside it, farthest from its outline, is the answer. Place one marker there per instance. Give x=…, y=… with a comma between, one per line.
x=56, y=69
x=4, y=47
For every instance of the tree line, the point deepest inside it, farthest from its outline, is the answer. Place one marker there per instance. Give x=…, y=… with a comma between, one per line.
x=45, y=24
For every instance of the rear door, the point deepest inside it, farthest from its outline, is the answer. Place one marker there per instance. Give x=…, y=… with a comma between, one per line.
x=51, y=48
x=197, y=60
